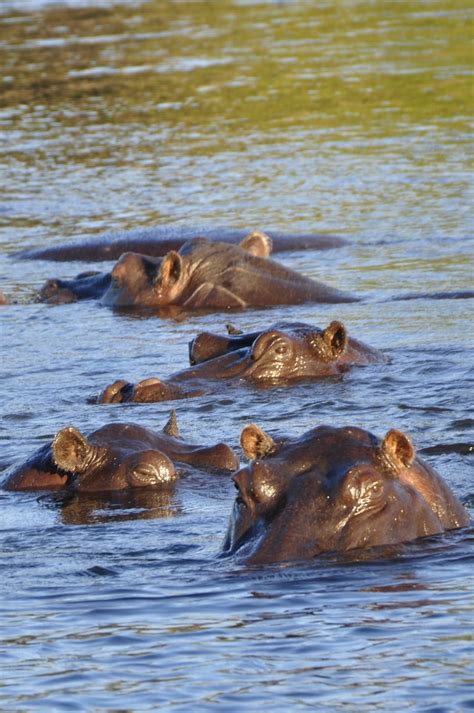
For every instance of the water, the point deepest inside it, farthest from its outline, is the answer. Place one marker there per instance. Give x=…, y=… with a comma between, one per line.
x=349, y=117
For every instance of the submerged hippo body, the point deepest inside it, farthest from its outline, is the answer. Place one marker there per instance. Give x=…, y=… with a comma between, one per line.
x=284, y=353
x=115, y=457
x=203, y=275
x=334, y=489
x=160, y=240
x=211, y=275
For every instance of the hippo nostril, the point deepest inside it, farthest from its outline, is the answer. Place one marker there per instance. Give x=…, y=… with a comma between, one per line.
x=241, y=483
x=118, y=272
x=116, y=280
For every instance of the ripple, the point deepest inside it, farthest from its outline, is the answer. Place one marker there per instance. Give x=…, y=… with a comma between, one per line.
x=138, y=119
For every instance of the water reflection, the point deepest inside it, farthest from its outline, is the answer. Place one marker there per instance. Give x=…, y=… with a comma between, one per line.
x=120, y=506
x=350, y=117
x=360, y=64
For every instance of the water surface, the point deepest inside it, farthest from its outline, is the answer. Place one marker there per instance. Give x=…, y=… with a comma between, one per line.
x=349, y=117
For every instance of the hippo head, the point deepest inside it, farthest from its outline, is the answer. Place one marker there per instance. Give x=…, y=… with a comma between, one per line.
x=146, y=391
x=133, y=281
x=284, y=352
x=293, y=352
x=333, y=489
x=141, y=280
x=97, y=467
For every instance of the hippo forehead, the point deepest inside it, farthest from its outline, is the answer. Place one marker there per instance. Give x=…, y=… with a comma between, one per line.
x=125, y=438
x=297, y=330
x=326, y=450
x=305, y=336
x=197, y=244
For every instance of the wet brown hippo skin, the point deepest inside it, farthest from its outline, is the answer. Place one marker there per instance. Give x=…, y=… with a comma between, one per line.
x=203, y=275
x=115, y=457
x=158, y=241
x=137, y=269
x=212, y=275
x=334, y=489
x=279, y=355
x=298, y=345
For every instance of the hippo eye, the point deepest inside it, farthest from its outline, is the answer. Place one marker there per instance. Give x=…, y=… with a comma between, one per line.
x=376, y=487
x=363, y=485
x=281, y=348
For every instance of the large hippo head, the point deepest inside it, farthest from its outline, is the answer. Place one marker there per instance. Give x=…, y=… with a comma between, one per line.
x=115, y=457
x=279, y=355
x=98, y=462
x=141, y=280
x=334, y=489
x=285, y=351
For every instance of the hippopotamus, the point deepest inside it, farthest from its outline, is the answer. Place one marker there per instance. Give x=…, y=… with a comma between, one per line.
x=159, y=240
x=116, y=457
x=202, y=275
x=212, y=275
x=283, y=353
x=333, y=490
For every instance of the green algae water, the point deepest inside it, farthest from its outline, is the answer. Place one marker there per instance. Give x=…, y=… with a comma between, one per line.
x=351, y=118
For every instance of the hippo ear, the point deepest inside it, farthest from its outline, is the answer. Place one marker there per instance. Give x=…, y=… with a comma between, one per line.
x=257, y=243
x=398, y=448
x=335, y=338
x=70, y=450
x=255, y=442
x=232, y=329
x=171, y=268
x=171, y=428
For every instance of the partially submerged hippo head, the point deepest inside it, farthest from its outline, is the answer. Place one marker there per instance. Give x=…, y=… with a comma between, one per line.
x=334, y=489
x=141, y=280
x=115, y=457
x=286, y=351
x=279, y=355
x=115, y=466
x=147, y=391
x=100, y=461
x=204, y=274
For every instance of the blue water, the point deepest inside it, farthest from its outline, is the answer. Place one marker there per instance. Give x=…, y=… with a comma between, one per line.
x=122, y=116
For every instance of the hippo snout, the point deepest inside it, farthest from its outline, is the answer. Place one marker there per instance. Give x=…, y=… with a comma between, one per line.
x=124, y=267
x=257, y=485
x=242, y=483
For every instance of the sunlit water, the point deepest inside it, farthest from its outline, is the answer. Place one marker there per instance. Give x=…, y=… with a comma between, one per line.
x=348, y=117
